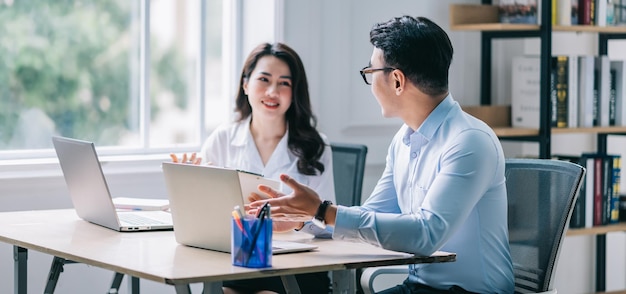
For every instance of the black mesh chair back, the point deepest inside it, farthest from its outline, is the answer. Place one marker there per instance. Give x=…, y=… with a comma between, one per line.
x=541, y=196
x=348, y=170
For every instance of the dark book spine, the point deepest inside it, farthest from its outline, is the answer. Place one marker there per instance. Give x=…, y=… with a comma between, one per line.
x=561, y=91
x=617, y=170
x=607, y=188
x=597, y=192
x=612, y=97
x=584, y=12
x=553, y=91
x=596, y=98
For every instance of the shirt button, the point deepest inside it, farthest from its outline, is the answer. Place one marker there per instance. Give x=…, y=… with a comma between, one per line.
x=413, y=154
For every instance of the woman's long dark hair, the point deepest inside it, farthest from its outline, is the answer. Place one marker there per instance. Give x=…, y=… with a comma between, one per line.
x=304, y=140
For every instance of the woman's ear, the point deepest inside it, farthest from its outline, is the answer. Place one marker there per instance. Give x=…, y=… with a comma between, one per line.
x=245, y=87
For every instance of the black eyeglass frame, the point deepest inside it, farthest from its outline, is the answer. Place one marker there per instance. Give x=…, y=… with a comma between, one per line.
x=367, y=70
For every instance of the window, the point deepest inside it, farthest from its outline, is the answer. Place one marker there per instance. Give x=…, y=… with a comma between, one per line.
x=132, y=76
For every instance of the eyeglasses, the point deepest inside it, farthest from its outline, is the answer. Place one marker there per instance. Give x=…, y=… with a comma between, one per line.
x=366, y=73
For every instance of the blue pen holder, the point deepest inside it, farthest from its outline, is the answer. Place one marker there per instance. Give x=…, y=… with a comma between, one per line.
x=251, y=244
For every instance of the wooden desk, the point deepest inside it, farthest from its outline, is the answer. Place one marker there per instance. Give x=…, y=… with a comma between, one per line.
x=156, y=256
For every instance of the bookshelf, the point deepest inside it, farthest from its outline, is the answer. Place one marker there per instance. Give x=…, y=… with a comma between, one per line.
x=484, y=18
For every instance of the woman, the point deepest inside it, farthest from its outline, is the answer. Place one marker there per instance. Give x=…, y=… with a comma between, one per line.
x=274, y=132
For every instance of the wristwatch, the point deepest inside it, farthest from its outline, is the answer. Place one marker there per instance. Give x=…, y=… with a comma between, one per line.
x=318, y=220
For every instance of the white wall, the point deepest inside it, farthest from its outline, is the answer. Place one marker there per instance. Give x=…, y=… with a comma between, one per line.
x=332, y=39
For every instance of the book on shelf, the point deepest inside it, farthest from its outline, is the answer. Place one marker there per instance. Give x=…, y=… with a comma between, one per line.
x=517, y=11
x=561, y=65
x=586, y=12
x=619, y=10
x=615, y=197
x=565, y=12
x=589, y=190
x=563, y=16
x=601, y=188
x=572, y=91
x=602, y=78
x=574, y=12
x=598, y=200
x=585, y=90
x=619, y=67
x=612, y=93
x=601, y=7
x=525, y=83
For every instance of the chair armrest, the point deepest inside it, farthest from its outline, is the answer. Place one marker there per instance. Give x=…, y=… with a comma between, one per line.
x=369, y=275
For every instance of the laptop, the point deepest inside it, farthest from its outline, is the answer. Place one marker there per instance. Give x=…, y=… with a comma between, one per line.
x=90, y=194
x=202, y=199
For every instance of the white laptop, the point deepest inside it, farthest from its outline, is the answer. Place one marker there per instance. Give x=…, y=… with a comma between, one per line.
x=90, y=194
x=202, y=199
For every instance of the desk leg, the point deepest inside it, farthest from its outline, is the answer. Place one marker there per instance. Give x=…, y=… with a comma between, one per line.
x=53, y=276
x=212, y=288
x=20, y=259
x=291, y=284
x=182, y=289
x=344, y=282
x=133, y=285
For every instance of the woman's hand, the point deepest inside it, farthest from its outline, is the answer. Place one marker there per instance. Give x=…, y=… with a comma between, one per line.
x=193, y=159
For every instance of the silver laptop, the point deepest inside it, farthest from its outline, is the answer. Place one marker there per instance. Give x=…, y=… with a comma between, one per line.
x=90, y=194
x=202, y=199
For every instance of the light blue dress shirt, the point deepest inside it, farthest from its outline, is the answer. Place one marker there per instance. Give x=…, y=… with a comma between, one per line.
x=443, y=188
x=232, y=145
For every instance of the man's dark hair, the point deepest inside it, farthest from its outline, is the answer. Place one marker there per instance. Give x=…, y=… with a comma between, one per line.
x=419, y=48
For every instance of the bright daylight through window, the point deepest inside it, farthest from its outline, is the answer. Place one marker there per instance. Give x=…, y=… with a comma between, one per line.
x=121, y=73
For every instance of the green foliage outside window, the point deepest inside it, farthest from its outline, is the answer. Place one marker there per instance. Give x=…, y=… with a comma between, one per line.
x=74, y=64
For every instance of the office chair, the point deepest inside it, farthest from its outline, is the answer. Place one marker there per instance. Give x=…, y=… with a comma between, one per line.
x=348, y=170
x=541, y=194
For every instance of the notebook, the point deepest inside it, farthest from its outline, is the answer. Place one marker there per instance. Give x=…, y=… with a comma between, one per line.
x=90, y=194
x=202, y=199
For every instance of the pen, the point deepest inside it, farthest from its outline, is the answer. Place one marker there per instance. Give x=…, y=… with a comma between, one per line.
x=261, y=216
x=237, y=218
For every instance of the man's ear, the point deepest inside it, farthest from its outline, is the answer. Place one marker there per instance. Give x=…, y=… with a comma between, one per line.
x=400, y=80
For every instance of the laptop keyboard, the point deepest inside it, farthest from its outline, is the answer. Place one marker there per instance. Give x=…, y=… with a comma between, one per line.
x=138, y=220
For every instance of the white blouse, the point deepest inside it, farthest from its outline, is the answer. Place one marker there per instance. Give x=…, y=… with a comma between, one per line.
x=232, y=145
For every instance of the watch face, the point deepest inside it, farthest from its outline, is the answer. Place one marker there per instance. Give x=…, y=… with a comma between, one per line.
x=318, y=223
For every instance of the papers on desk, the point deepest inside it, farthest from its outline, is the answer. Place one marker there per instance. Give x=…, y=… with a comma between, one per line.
x=141, y=203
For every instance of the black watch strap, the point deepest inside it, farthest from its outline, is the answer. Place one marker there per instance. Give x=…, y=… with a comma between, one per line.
x=321, y=213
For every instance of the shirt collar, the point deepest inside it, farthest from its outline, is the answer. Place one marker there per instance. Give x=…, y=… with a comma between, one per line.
x=242, y=133
x=243, y=137
x=432, y=122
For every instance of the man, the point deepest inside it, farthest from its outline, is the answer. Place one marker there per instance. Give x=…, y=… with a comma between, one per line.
x=443, y=187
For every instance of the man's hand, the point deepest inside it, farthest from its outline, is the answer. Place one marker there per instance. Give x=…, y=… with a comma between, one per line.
x=278, y=224
x=301, y=205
